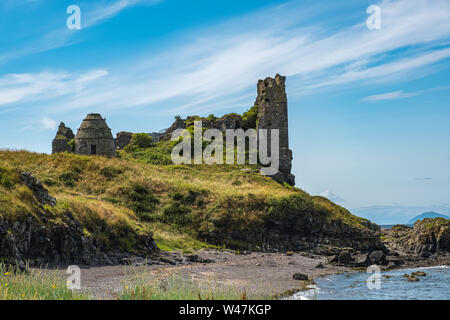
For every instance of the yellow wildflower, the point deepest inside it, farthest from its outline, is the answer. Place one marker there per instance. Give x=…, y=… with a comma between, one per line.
x=7, y=274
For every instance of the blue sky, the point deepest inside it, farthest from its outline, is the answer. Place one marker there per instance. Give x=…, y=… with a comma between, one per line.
x=369, y=110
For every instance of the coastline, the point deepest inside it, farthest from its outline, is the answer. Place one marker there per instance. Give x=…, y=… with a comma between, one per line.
x=253, y=272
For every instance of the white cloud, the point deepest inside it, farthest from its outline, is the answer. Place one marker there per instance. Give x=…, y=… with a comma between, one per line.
x=389, y=96
x=331, y=196
x=57, y=36
x=104, y=11
x=223, y=63
x=48, y=123
x=400, y=94
x=217, y=67
x=16, y=88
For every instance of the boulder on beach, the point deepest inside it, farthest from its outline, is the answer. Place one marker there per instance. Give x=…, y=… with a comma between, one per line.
x=300, y=276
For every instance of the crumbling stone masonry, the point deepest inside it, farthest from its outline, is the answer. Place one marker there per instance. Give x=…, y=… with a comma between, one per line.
x=62, y=139
x=94, y=137
x=123, y=139
x=272, y=114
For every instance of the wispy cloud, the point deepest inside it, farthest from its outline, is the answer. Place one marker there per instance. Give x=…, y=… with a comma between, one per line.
x=389, y=96
x=424, y=178
x=216, y=67
x=57, y=35
x=18, y=88
x=400, y=94
x=104, y=11
x=222, y=65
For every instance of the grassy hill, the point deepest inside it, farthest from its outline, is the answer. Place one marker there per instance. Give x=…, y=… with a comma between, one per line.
x=120, y=203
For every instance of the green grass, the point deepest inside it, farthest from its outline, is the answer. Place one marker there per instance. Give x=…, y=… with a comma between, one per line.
x=178, y=287
x=130, y=197
x=37, y=285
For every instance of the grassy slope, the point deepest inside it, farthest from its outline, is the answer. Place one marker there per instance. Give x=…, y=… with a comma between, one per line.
x=180, y=204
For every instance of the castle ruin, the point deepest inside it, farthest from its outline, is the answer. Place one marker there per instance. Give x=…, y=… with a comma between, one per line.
x=64, y=136
x=94, y=136
x=272, y=114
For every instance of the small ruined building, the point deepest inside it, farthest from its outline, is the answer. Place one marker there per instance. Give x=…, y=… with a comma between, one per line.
x=62, y=141
x=94, y=137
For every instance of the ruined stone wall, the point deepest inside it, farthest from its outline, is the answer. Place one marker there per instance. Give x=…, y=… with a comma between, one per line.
x=123, y=139
x=272, y=114
x=62, y=139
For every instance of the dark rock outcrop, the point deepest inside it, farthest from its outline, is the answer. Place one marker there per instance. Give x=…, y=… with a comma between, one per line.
x=178, y=124
x=428, y=236
x=300, y=276
x=378, y=257
x=38, y=189
x=47, y=237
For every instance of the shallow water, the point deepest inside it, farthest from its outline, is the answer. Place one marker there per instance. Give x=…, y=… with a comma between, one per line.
x=353, y=286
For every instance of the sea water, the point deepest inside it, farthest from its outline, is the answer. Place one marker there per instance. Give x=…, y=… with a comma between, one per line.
x=353, y=286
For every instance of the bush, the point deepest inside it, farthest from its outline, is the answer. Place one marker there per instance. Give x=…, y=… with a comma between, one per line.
x=68, y=179
x=250, y=117
x=177, y=213
x=143, y=202
x=110, y=172
x=6, y=179
x=71, y=144
x=139, y=141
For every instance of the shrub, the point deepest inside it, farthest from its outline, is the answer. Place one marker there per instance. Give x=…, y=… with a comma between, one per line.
x=110, y=172
x=177, y=213
x=71, y=143
x=143, y=202
x=6, y=179
x=250, y=117
x=68, y=179
x=139, y=141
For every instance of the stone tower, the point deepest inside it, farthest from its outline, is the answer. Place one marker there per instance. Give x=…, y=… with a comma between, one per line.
x=272, y=114
x=94, y=137
x=62, y=139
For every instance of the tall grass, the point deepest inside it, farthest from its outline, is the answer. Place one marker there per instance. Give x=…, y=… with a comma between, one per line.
x=216, y=203
x=35, y=285
x=179, y=287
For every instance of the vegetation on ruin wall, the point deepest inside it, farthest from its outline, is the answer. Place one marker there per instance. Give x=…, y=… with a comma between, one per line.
x=183, y=205
x=143, y=149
